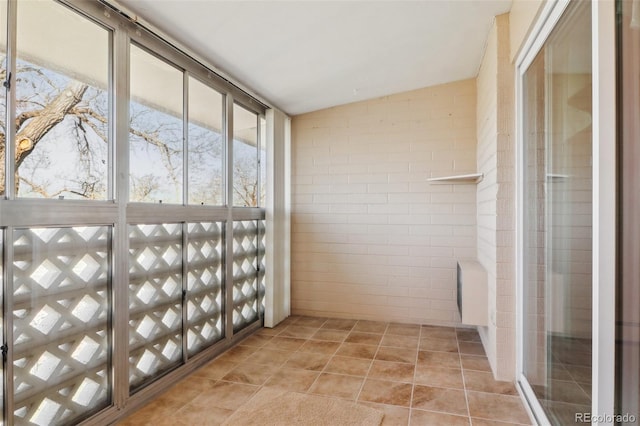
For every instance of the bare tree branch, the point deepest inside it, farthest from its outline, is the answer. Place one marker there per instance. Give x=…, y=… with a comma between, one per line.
x=28, y=137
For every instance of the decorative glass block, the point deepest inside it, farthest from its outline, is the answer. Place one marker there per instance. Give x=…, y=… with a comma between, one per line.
x=61, y=286
x=155, y=301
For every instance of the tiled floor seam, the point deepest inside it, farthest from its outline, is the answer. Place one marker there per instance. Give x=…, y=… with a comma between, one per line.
x=366, y=376
x=464, y=381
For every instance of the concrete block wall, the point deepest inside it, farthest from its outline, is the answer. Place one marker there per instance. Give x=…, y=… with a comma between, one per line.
x=496, y=197
x=487, y=111
x=371, y=238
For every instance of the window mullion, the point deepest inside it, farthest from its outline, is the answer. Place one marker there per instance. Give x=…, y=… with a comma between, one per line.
x=120, y=300
x=10, y=135
x=228, y=281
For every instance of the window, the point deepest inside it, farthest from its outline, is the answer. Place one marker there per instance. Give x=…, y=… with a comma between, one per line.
x=245, y=157
x=101, y=299
x=155, y=133
x=205, y=145
x=263, y=161
x=62, y=104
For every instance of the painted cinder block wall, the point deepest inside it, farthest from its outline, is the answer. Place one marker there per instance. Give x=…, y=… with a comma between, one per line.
x=496, y=193
x=496, y=197
x=371, y=238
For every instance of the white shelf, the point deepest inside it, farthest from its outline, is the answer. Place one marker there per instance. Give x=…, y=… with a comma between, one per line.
x=555, y=177
x=468, y=178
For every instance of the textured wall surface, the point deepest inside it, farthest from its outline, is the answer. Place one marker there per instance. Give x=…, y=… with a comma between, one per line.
x=371, y=238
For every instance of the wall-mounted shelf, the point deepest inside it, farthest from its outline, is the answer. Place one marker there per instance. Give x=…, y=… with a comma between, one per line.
x=555, y=177
x=468, y=178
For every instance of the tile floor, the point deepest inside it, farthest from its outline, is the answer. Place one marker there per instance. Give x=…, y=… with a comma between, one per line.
x=416, y=375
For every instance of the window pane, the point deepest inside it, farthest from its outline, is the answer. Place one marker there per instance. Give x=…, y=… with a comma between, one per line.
x=155, y=301
x=205, y=145
x=245, y=157
x=263, y=161
x=62, y=103
x=60, y=323
x=557, y=219
x=204, y=285
x=155, y=134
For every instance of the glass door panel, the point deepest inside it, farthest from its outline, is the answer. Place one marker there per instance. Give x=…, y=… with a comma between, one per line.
x=557, y=219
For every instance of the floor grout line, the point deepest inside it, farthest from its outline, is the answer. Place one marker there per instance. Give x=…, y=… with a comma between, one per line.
x=464, y=380
x=371, y=364
x=398, y=336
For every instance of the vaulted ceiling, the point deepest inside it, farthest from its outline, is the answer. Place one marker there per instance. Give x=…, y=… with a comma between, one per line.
x=303, y=56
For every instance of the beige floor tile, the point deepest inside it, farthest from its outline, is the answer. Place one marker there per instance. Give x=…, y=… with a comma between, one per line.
x=485, y=422
x=315, y=322
x=251, y=374
x=237, y=353
x=364, y=338
x=354, y=350
x=432, y=418
x=386, y=392
x=270, y=332
x=338, y=385
x=393, y=415
x=307, y=361
x=569, y=392
x=330, y=335
x=481, y=381
x=200, y=416
x=439, y=345
x=471, y=348
x=349, y=366
x=227, y=395
x=298, y=332
x=290, y=320
x=409, y=342
x=285, y=343
x=188, y=388
x=438, y=359
x=270, y=357
x=467, y=335
x=371, y=327
x=473, y=362
x=438, y=333
x=215, y=369
x=339, y=324
x=292, y=379
x=386, y=353
x=150, y=413
x=392, y=371
x=451, y=401
x=320, y=346
x=414, y=374
x=404, y=329
x=257, y=340
x=496, y=407
x=439, y=377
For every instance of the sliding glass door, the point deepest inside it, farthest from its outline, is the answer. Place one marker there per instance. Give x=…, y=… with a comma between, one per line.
x=557, y=219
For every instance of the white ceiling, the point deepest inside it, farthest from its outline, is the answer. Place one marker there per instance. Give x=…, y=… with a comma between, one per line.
x=303, y=56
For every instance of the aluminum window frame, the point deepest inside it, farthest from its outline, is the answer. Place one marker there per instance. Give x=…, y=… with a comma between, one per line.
x=118, y=212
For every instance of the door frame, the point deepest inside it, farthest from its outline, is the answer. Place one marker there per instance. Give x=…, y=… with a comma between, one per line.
x=603, y=202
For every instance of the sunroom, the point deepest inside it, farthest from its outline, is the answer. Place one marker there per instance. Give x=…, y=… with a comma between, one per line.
x=385, y=212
